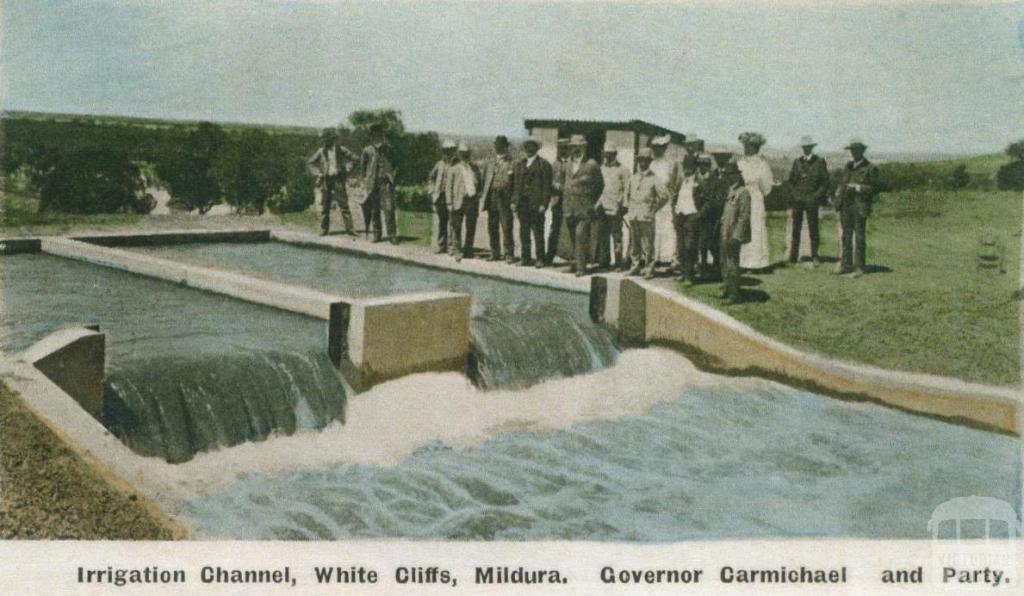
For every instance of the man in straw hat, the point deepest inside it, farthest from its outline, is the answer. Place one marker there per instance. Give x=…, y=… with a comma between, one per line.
x=496, y=200
x=583, y=186
x=645, y=195
x=327, y=166
x=438, y=176
x=855, y=192
x=531, y=193
x=378, y=171
x=610, y=208
x=462, y=190
x=735, y=229
x=809, y=181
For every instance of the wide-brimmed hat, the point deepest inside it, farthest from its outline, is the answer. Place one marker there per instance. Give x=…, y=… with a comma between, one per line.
x=577, y=140
x=645, y=153
x=610, y=147
x=807, y=141
x=661, y=140
x=752, y=138
x=856, y=142
x=448, y=144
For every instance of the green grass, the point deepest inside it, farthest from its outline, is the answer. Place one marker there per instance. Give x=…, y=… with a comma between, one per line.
x=926, y=308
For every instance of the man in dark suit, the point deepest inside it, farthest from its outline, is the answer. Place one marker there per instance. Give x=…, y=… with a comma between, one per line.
x=558, y=185
x=496, y=200
x=531, y=192
x=327, y=166
x=809, y=180
x=583, y=185
x=855, y=193
x=378, y=172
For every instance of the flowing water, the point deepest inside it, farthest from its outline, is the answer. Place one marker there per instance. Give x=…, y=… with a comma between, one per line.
x=187, y=370
x=643, y=448
x=520, y=334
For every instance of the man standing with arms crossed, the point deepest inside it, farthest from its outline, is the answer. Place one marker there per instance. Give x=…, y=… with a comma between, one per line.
x=531, y=192
x=809, y=180
x=378, y=170
x=496, y=200
x=327, y=166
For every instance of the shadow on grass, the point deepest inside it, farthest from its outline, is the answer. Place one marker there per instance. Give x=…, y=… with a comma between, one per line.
x=748, y=296
x=869, y=269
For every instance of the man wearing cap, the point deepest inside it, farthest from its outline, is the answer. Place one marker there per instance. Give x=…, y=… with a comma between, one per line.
x=462, y=190
x=610, y=208
x=531, y=193
x=855, y=193
x=809, y=181
x=496, y=200
x=439, y=196
x=327, y=166
x=669, y=171
x=378, y=172
x=735, y=229
x=583, y=186
x=558, y=169
x=645, y=195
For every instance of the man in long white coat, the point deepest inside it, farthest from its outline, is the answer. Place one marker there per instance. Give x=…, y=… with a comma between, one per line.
x=758, y=178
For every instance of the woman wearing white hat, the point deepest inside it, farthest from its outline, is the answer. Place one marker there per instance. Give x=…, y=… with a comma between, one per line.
x=757, y=176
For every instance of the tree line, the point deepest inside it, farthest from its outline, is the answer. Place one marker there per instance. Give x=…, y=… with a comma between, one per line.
x=80, y=165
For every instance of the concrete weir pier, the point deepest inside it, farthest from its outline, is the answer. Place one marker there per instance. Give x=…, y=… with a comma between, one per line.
x=645, y=314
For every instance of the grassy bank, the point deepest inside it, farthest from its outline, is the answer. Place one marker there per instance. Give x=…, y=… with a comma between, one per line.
x=47, y=492
x=924, y=306
x=21, y=218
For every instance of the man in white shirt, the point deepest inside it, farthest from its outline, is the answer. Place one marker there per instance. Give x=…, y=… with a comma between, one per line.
x=327, y=166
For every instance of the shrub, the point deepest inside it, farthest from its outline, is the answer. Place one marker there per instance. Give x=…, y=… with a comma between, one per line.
x=1011, y=176
x=187, y=169
x=296, y=196
x=250, y=169
x=414, y=198
x=93, y=180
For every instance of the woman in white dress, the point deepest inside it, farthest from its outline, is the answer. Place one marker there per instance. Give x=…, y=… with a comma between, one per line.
x=666, y=169
x=758, y=178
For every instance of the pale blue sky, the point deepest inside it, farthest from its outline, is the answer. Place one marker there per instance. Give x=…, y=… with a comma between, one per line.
x=934, y=78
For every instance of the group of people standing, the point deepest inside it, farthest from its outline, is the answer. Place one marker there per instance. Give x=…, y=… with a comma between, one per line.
x=703, y=215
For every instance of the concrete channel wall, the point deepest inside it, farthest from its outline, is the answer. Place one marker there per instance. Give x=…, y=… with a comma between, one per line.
x=644, y=313
x=426, y=331
x=74, y=359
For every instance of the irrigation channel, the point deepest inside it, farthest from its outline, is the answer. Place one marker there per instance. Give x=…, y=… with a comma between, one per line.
x=236, y=408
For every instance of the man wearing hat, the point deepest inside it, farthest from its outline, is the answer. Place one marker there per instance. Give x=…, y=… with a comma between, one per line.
x=583, y=186
x=557, y=192
x=855, y=192
x=669, y=171
x=735, y=229
x=610, y=208
x=809, y=181
x=496, y=200
x=462, y=190
x=378, y=172
x=438, y=196
x=531, y=193
x=327, y=166
x=645, y=195
x=710, y=199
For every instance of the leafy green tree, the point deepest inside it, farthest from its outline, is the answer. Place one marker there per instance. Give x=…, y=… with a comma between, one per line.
x=187, y=169
x=959, y=179
x=91, y=180
x=1016, y=150
x=250, y=169
x=390, y=119
x=415, y=153
x=297, y=194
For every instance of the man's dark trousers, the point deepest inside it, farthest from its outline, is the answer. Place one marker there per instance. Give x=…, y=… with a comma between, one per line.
x=381, y=200
x=499, y=225
x=531, y=227
x=333, y=191
x=812, y=228
x=579, y=237
x=853, y=218
x=687, y=242
x=609, y=240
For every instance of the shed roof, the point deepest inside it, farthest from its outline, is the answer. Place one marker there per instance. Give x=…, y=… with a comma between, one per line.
x=639, y=126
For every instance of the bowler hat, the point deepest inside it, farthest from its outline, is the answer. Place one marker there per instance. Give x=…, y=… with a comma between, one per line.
x=644, y=153
x=807, y=141
x=856, y=142
x=448, y=144
x=610, y=147
x=577, y=140
x=661, y=140
x=531, y=141
x=501, y=140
